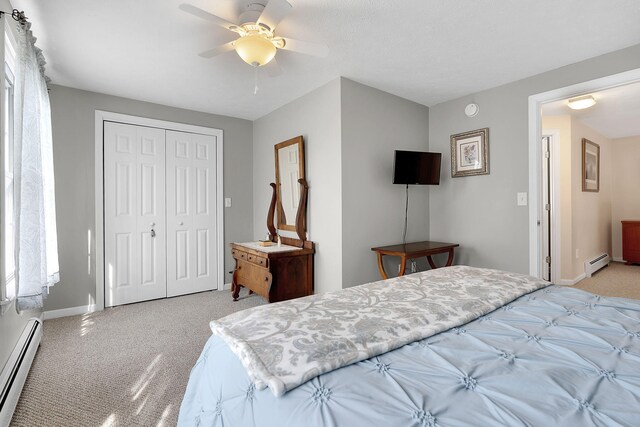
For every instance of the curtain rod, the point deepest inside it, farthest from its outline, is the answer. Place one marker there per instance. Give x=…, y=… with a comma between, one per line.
x=16, y=15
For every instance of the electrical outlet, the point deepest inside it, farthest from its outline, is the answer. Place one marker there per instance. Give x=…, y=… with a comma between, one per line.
x=577, y=253
x=227, y=202
x=414, y=266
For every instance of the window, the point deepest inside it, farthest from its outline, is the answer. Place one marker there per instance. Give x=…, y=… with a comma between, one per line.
x=7, y=218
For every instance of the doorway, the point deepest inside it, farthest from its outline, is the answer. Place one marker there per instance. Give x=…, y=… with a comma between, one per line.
x=543, y=239
x=159, y=207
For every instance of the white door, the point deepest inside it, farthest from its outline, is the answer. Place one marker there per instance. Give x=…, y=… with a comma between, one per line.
x=134, y=212
x=191, y=213
x=546, y=208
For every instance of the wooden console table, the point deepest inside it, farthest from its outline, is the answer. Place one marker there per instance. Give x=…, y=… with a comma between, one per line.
x=414, y=250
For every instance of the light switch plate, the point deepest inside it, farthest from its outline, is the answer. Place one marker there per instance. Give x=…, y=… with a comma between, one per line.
x=227, y=202
x=522, y=199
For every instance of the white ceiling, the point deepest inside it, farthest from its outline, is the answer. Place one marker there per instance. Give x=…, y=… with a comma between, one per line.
x=427, y=51
x=615, y=115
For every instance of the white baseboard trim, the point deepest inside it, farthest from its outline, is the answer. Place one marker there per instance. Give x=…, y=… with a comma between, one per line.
x=226, y=287
x=71, y=311
x=617, y=259
x=571, y=282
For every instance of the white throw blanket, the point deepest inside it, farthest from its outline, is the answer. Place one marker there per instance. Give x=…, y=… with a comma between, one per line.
x=284, y=345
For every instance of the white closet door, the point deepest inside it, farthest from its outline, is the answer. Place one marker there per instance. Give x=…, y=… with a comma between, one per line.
x=134, y=204
x=191, y=213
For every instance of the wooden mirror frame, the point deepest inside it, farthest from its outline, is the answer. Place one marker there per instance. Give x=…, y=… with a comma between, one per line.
x=300, y=223
x=299, y=141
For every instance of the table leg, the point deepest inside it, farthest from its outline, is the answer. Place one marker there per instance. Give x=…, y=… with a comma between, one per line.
x=403, y=265
x=381, y=267
x=450, y=259
x=235, y=287
x=431, y=263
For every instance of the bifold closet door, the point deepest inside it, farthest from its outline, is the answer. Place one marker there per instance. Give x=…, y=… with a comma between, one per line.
x=134, y=213
x=191, y=213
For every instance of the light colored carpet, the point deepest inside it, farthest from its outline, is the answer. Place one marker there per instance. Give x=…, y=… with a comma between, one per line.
x=616, y=280
x=125, y=366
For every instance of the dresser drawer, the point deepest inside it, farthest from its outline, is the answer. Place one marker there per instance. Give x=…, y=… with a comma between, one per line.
x=241, y=255
x=256, y=278
x=257, y=260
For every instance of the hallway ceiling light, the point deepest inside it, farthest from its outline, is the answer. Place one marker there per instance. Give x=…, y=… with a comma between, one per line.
x=582, y=102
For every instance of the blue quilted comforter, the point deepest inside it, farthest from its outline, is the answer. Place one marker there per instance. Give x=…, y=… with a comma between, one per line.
x=557, y=356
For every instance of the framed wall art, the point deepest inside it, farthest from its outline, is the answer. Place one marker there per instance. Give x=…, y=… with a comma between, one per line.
x=470, y=153
x=590, y=166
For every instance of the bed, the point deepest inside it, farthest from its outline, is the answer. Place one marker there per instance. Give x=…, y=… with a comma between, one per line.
x=541, y=355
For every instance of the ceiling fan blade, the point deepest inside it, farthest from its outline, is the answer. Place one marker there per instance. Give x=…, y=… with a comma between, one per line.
x=200, y=13
x=314, y=49
x=273, y=68
x=227, y=47
x=274, y=12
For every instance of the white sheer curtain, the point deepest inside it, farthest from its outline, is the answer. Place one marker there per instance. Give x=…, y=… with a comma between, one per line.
x=36, y=239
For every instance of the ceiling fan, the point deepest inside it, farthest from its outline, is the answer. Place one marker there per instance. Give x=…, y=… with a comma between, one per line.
x=257, y=43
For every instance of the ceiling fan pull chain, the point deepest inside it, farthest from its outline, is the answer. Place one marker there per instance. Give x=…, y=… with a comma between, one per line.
x=255, y=88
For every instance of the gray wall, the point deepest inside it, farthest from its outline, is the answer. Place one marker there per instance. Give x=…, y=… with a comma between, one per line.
x=480, y=212
x=374, y=124
x=315, y=116
x=73, y=121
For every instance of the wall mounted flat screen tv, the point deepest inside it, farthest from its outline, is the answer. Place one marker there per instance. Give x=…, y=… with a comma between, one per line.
x=416, y=167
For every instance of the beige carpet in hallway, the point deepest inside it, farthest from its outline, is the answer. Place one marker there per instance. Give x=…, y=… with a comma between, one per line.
x=125, y=366
x=616, y=280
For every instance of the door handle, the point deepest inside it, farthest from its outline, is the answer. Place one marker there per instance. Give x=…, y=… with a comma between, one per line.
x=153, y=233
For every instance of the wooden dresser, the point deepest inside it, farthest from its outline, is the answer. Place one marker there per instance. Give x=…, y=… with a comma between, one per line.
x=276, y=273
x=286, y=272
x=631, y=242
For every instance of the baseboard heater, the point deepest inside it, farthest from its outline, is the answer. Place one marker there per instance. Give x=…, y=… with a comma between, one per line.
x=15, y=371
x=595, y=264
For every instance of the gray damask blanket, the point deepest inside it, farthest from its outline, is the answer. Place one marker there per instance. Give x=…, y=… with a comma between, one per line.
x=285, y=344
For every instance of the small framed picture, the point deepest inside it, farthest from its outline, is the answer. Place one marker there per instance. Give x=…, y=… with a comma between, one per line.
x=590, y=166
x=470, y=153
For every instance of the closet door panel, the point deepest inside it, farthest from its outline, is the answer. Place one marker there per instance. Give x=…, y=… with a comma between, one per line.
x=134, y=199
x=191, y=252
x=151, y=213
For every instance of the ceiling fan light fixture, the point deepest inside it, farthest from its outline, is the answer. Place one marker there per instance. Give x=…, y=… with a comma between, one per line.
x=582, y=102
x=255, y=50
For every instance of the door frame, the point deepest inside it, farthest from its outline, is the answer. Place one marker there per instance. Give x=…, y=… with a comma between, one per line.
x=535, y=148
x=107, y=116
